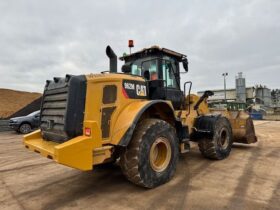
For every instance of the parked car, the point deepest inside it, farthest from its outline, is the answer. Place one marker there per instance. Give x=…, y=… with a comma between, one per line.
x=26, y=123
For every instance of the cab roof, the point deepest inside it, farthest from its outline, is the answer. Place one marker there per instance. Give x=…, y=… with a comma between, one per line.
x=154, y=50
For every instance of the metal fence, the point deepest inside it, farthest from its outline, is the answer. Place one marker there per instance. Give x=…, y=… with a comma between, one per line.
x=4, y=125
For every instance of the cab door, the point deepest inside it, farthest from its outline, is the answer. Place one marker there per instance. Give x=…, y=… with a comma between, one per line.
x=163, y=80
x=172, y=83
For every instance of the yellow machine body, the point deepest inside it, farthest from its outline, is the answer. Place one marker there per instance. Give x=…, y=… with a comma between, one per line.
x=84, y=151
x=109, y=118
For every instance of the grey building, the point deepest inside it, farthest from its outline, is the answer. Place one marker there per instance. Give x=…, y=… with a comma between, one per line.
x=231, y=93
x=275, y=97
x=263, y=95
x=259, y=94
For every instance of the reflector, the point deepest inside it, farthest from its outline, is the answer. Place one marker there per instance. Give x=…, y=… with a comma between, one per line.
x=87, y=131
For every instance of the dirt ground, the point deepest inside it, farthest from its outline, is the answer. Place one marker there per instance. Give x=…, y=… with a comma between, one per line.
x=8, y=104
x=248, y=179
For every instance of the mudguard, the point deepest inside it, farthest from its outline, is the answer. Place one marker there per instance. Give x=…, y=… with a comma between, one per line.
x=243, y=130
x=129, y=117
x=204, y=127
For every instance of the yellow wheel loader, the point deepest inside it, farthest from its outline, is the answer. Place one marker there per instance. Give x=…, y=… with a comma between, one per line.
x=140, y=117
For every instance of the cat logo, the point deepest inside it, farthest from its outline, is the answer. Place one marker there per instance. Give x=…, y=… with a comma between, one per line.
x=141, y=90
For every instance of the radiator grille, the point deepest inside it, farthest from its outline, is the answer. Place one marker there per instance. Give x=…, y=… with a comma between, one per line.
x=62, y=108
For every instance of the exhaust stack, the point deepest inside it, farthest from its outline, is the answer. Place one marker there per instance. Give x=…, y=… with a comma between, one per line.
x=113, y=59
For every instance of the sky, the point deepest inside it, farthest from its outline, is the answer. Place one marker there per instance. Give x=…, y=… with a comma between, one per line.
x=42, y=39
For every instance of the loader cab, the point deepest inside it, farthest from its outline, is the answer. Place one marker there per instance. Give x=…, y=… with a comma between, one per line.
x=160, y=68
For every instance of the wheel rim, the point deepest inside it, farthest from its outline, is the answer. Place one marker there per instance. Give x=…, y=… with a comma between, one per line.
x=25, y=128
x=160, y=154
x=223, y=139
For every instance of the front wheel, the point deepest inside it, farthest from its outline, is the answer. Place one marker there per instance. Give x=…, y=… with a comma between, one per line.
x=151, y=157
x=219, y=147
x=24, y=128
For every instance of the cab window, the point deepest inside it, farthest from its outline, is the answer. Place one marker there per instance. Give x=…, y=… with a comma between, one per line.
x=136, y=69
x=151, y=66
x=140, y=66
x=168, y=70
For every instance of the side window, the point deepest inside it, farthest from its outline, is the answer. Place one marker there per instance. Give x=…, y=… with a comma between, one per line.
x=151, y=66
x=135, y=70
x=168, y=74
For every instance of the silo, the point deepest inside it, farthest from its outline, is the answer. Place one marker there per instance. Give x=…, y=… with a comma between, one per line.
x=263, y=95
x=240, y=88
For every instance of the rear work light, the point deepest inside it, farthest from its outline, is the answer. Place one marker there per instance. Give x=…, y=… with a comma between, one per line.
x=87, y=131
x=130, y=43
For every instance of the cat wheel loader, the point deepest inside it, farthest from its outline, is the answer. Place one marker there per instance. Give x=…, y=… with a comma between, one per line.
x=140, y=117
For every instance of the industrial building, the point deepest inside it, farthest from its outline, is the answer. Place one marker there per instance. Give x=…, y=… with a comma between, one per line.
x=275, y=96
x=259, y=94
x=263, y=95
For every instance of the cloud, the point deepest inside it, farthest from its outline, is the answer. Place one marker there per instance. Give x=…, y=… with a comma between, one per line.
x=43, y=39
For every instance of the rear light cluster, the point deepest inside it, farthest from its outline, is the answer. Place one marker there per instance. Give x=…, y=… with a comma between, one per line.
x=88, y=131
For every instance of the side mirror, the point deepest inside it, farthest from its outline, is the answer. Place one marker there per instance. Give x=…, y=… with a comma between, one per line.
x=186, y=64
x=126, y=68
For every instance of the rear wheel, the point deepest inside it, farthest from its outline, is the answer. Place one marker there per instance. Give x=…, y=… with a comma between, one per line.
x=219, y=147
x=25, y=128
x=151, y=157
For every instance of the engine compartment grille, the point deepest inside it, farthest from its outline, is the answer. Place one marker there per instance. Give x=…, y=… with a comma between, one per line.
x=62, y=109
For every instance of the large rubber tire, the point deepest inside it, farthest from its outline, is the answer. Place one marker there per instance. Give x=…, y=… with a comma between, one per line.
x=219, y=146
x=135, y=159
x=25, y=128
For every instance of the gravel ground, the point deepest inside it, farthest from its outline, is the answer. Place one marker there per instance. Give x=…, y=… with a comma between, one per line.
x=248, y=179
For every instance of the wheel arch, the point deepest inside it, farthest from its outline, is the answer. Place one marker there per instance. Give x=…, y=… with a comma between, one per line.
x=142, y=110
x=25, y=122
